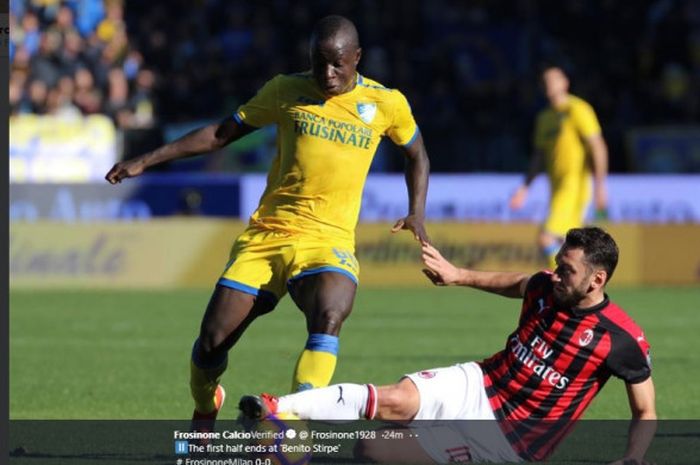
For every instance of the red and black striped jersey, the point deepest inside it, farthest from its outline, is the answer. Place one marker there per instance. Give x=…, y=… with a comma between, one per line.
x=555, y=362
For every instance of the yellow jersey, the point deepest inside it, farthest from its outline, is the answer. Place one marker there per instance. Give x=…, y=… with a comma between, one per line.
x=324, y=150
x=559, y=133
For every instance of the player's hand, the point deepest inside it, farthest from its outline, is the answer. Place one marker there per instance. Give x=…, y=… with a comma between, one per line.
x=414, y=224
x=124, y=169
x=440, y=271
x=600, y=197
x=517, y=200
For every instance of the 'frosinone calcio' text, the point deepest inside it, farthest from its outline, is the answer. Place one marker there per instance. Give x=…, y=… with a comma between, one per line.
x=326, y=128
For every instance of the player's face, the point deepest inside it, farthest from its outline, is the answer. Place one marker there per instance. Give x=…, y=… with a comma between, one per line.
x=572, y=278
x=334, y=65
x=555, y=83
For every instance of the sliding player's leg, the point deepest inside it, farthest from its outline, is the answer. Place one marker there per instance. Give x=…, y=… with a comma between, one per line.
x=345, y=401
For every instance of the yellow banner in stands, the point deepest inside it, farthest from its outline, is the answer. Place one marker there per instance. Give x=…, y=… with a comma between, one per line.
x=55, y=148
x=185, y=252
x=153, y=254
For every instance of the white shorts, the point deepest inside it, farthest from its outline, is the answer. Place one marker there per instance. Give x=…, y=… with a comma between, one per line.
x=457, y=393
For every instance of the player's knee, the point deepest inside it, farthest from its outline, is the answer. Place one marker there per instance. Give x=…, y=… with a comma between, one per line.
x=398, y=402
x=204, y=358
x=390, y=400
x=329, y=318
x=210, y=343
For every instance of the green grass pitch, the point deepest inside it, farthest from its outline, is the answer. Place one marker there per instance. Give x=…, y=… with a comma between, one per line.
x=125, y=355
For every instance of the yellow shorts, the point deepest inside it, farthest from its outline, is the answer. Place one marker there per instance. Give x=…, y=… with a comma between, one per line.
x=264, y=262
x=568, y=205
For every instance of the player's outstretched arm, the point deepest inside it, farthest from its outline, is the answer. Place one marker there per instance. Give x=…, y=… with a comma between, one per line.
x=443, y=273
x=417, y=169
x=599, y=158
x=517, y=200
x=642, y=399
x=202, y=140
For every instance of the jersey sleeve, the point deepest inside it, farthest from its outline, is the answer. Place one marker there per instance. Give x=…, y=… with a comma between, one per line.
x=534, y=294
x=403, y=129
x=585, y=120
x=629, y=358
x=263, y=108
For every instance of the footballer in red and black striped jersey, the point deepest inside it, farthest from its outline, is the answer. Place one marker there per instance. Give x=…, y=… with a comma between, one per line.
x=555, y=362
x=569, y=340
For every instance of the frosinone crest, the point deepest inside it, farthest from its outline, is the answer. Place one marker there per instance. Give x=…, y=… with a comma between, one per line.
x=367, y=111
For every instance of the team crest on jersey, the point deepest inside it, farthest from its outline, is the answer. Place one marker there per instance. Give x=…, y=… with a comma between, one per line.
x=427, y=374
x=585, y=338
x=367, y=111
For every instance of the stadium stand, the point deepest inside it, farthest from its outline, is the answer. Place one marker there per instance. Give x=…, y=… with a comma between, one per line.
x=469, y=68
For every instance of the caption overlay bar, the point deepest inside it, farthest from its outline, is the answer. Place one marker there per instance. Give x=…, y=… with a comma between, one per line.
x=289, y=442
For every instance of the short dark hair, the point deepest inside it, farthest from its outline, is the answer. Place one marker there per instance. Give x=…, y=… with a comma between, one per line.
x=329, y=26
x=564, y=67
x=599, y=248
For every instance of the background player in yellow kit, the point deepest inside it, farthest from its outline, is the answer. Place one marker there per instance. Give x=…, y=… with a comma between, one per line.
x=569, y=143
x=301, y=238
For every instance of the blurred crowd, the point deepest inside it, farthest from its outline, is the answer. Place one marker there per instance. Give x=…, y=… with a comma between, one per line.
x=74, y=57
x=469, y=68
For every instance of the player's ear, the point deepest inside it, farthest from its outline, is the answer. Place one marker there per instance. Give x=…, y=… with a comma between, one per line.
x=358, y=55
x=600, y=276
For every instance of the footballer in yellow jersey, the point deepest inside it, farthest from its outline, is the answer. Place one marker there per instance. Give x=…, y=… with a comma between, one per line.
x=569, y=143
x=324, y=150
x=301, y=237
